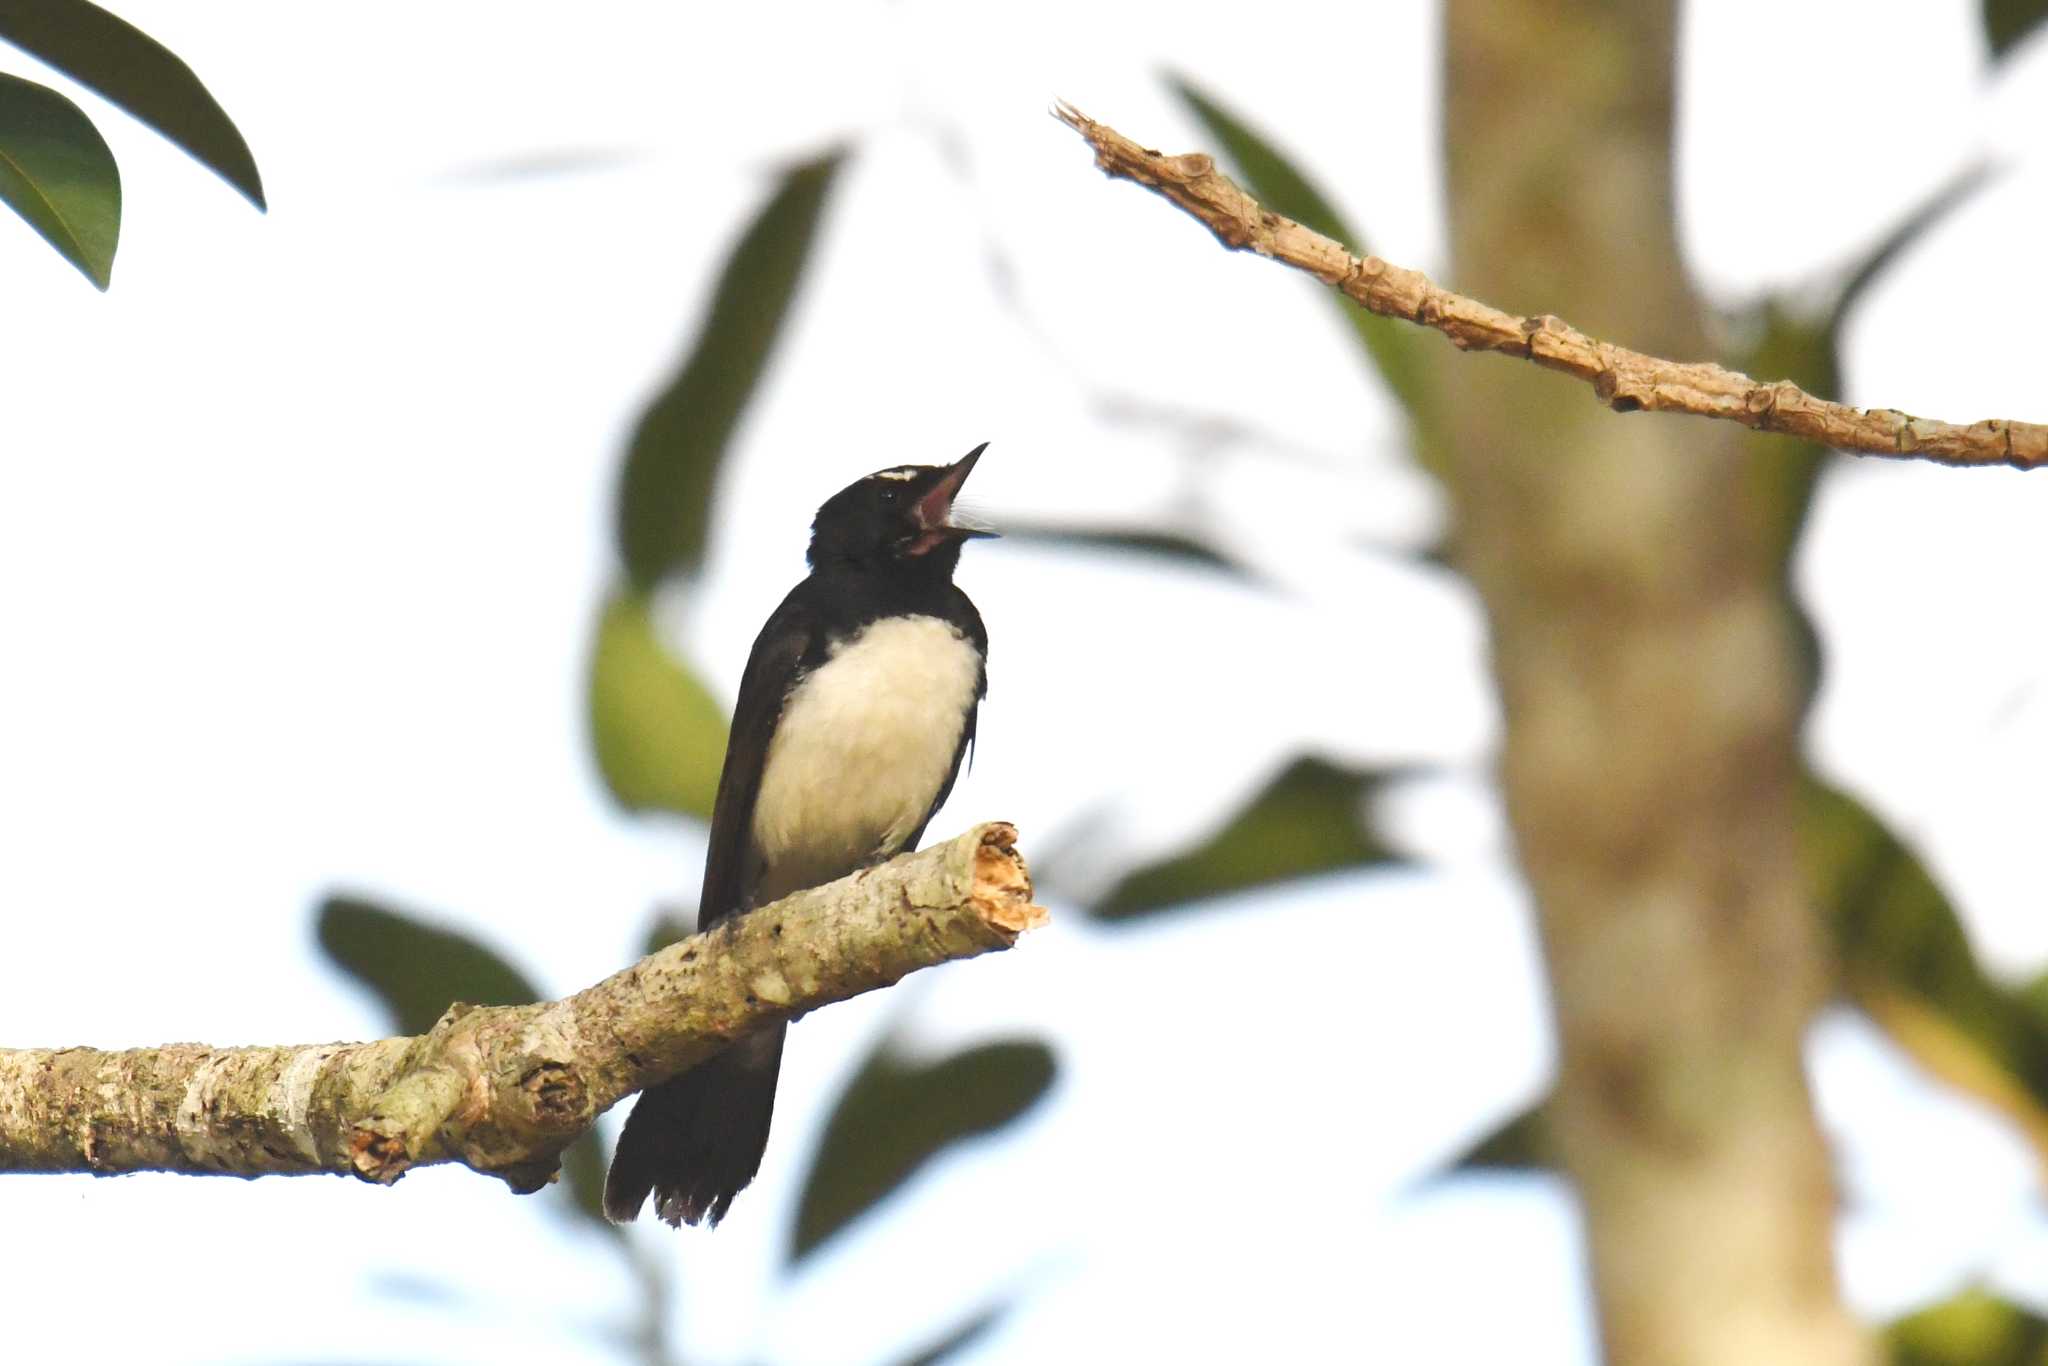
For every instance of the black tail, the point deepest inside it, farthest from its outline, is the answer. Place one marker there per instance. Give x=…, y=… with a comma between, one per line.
x=696, y=1140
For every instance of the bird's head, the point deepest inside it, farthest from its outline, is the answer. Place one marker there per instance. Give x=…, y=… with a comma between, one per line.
x=897, y=518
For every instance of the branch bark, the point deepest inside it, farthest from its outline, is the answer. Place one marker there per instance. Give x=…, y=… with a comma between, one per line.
x=1627, y=381
x=504, y=1089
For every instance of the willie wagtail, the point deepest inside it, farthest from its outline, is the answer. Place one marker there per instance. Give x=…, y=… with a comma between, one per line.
x=855, y=709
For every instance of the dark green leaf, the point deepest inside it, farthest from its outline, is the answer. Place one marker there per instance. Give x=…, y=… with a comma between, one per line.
x=416, y=970
x=57, y=172
x=1395, y=349
x=1311, y=819
x=2007, y=22
x=959, y=1339
x=1521, y=1144
x=136, y=72
x=1975, y=1328
x=665, y=492
x=658, y=733
x=897, y=1115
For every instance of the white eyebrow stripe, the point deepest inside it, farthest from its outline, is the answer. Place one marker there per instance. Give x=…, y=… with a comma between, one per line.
x=900, y=472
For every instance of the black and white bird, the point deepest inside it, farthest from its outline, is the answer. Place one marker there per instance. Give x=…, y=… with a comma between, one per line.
x=855, y=709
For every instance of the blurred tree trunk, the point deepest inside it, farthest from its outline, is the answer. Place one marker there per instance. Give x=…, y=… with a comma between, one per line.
x=1646, y=665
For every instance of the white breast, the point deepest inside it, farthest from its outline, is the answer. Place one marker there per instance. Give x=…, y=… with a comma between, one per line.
x=863, y=745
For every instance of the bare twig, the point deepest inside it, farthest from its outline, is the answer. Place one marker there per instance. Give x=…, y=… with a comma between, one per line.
x=504, y=1089
x=1628, y=381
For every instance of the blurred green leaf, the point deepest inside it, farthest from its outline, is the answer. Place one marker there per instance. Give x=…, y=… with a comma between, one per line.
x=658, y=733
x=1891, y=920
x=1521, y=1144
x=419, y=1289
x=2033, y=998
x=895, y=1116
x=1781, y=474
x=1271, y=176
x=1940, y=203
x=583, y=1164
x=137, y=73
x=1311, y=819
x=959, y=1339
x=1162, y=545
x=1804, y=346
x=57, y=172
x=665, y=491
x=1394, y=348
x=1973, y=1329
x=669, y=927
x=2007, y=22
x=1908, y=963
x=415, y=969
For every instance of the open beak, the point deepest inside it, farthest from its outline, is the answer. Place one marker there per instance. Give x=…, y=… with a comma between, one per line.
x=935, y=518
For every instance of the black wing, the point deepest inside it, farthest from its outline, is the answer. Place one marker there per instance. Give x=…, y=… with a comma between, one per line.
x=732, y=868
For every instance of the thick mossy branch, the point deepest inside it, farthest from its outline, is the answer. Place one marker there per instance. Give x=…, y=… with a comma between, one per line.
x=505, y=1089
x=1627, y=381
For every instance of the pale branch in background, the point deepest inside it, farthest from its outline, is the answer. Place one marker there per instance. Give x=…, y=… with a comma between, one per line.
x=1628, y=381
x=504, y=1089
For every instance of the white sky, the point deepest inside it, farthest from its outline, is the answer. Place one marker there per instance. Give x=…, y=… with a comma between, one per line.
x=303, y=526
